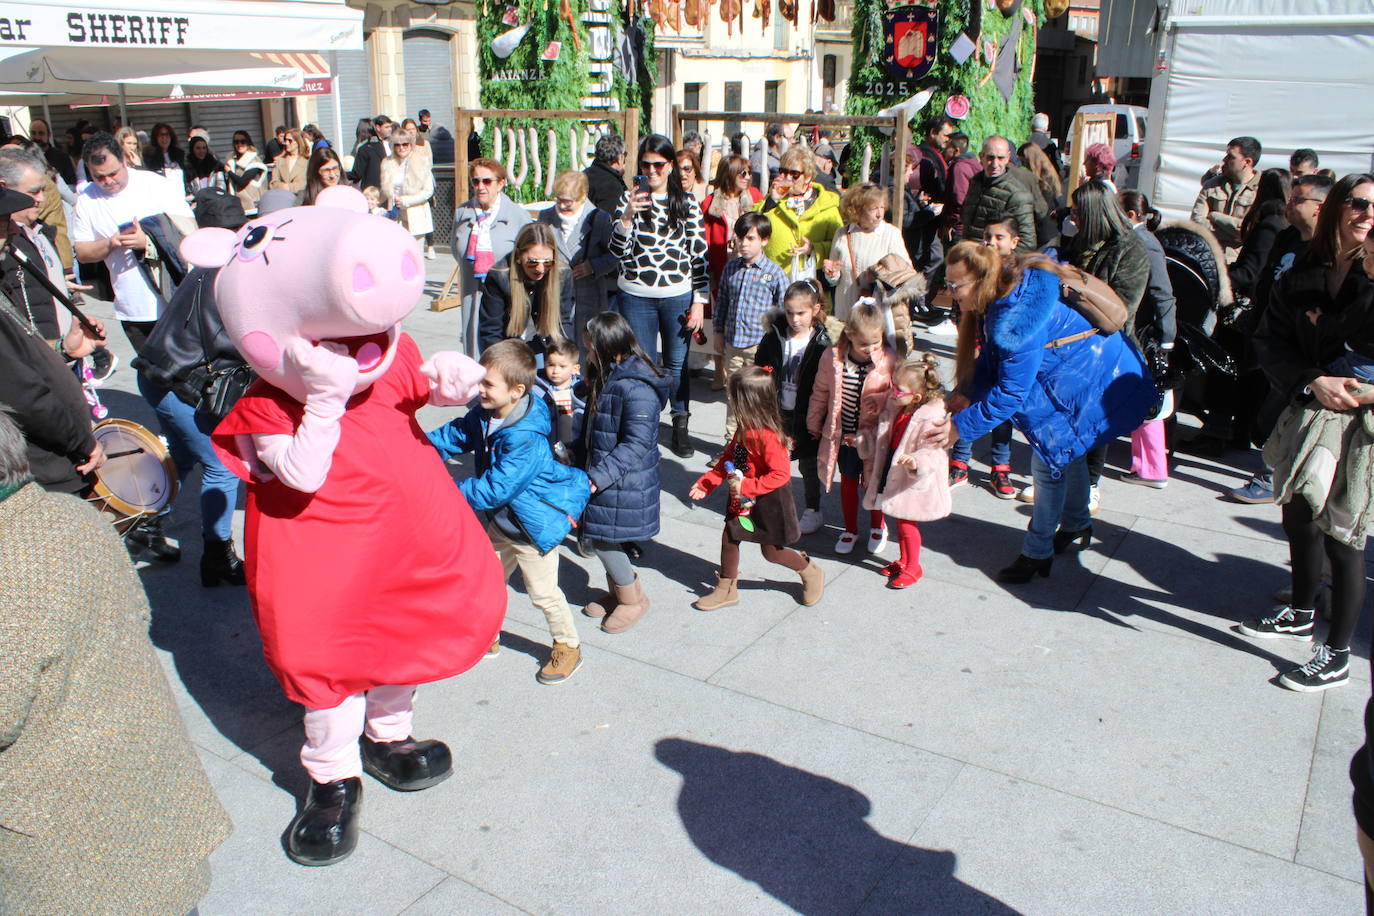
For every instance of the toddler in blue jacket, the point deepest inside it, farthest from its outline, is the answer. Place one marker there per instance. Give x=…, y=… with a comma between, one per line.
x=557, y=383
x=529, y=500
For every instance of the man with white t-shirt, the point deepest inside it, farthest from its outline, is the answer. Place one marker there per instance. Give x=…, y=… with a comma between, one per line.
x=106, y=228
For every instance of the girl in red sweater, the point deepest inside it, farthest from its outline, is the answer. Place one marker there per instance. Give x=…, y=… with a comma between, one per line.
x=760, y=508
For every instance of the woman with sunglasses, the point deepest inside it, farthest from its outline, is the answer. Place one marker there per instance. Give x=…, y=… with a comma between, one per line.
x=805, y=216
x=1305, y=342
x=664, y=285
x=583, y=232
x=484, y=230
x=695, y=183
x=408, y=184
x=530, y=295
x=325, y=170
x=289, y=169
x=246, y=172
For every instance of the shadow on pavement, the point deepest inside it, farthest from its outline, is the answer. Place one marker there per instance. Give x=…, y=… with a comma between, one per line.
x=804, y=839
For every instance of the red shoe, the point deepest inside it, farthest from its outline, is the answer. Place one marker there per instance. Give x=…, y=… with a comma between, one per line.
x=892, y=568
x=999, y=481
x=906, y=578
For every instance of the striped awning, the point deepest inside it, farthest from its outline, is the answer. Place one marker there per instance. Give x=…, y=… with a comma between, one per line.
x=318, y=81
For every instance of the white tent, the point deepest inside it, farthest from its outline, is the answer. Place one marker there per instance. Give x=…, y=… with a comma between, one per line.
x=91, y=71
x=1292, y=75
x=188, y=25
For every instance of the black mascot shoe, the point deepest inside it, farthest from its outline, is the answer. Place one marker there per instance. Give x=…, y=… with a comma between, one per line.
x=326, y=830
x=408, y=765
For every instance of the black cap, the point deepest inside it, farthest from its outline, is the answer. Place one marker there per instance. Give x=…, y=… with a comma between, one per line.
x=12, y=201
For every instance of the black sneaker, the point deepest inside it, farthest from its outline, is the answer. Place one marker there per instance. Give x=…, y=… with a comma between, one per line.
x=1328, y=668
x=1286, y=624
x=958, y=474
x=103, y=364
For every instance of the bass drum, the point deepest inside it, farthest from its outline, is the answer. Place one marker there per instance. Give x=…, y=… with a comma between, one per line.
x=138, y=478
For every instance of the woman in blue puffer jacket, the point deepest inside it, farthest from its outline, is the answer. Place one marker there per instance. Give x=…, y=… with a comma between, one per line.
x=1026, y=356
x=624, y=393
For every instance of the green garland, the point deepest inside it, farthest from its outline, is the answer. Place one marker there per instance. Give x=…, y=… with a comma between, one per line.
x=872, y=88
x=557, y=85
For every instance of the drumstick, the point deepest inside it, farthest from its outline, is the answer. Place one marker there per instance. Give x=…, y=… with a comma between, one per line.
x=41, y=275
x=132, y=451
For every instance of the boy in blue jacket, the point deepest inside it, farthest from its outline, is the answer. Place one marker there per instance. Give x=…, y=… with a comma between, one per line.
x=530, y=501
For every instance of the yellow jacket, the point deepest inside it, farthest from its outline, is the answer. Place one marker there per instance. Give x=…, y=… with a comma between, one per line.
x=818, y=222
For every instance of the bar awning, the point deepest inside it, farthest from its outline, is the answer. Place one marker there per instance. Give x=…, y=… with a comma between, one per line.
x=200, y=25
x=317, y=81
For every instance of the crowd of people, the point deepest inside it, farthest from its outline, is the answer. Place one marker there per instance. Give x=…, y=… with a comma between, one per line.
x=1061, y=307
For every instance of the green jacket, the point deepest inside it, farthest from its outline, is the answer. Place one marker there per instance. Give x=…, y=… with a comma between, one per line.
x=1123, y=263
x=996, y=198
x=818, y=222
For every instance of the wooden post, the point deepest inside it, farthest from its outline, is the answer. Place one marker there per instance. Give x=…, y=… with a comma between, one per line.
x=462, y=126
x=677, y=127
x=629, y=120
x=901, y=139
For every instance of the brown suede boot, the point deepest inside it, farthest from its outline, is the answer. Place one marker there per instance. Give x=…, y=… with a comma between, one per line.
x=813, y=583
x=723, y=595
x=601, y=605
x=633, y=605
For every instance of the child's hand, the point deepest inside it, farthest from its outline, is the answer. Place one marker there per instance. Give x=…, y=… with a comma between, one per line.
x=905, y=461
x=850, y=439
x=698, y=492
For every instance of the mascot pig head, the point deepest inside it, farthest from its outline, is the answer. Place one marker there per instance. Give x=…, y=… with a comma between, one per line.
x=330, y=275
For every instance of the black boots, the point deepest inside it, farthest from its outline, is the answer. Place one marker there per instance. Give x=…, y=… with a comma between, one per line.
x=148, y=535
x=326, y=830
x=681, y=444
x=220, y=564
x=1024, y=568
x=408, y=765
x=1064, y=539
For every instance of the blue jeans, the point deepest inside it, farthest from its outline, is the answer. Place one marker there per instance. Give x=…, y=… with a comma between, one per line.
x=1001, y=447
x=653, y=320
x=188, y=438
x=1060, y=502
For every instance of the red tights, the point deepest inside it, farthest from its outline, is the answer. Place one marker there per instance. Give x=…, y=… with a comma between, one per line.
x=849, y=503
x=909, y=543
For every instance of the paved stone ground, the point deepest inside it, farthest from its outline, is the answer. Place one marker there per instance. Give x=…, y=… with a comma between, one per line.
x=1100, y=741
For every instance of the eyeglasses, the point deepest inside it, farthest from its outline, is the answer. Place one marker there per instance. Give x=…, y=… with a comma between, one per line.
x=329, y=170
x=538, y=262
x=790, y=173
x=1307, y=200
x=1359, y=204
x=483, y=181
x=685, y=167
x=657, y=165
x=400, y=146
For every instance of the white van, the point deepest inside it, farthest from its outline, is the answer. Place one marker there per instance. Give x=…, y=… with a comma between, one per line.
x=1129, y=142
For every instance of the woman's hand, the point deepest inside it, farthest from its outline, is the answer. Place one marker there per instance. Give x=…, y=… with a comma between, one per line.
x=941, y=433
x=1332, y=393
x=831, y=269
x=804, y=249
x=640, y=201
x=779, y=189
x=93, y=461
x=955, y=402
x=697, y=492
x=696, y=317
x=582, y=270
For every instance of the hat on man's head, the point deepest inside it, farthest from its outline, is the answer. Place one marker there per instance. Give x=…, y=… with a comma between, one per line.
x=12, y=201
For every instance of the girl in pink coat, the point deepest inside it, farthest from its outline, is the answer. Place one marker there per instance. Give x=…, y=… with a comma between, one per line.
x=910, y=481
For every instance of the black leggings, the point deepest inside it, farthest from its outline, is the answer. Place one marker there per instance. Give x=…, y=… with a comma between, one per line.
x=1306, y=542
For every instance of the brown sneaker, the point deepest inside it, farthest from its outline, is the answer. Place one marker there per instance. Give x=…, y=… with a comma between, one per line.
x=495, y=649
x=562, y=664
x=724, y=594
x=813, y=583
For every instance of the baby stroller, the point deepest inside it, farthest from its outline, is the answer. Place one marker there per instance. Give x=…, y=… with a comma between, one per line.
x=1197, y=271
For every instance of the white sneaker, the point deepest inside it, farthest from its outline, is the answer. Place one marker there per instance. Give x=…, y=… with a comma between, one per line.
x=877, y=539
x=846, y=542
x=811, y=521
x=1094, y=501
x=1027, y=494
x=429, y=253
x=945, y=328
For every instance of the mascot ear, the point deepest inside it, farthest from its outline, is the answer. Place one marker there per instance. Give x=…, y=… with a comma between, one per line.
x=343, y=197
x=212, y=247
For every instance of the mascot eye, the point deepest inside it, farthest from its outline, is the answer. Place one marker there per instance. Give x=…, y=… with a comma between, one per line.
x=255, y=242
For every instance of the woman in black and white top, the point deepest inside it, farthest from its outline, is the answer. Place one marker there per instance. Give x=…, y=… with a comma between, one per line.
x=664, y=285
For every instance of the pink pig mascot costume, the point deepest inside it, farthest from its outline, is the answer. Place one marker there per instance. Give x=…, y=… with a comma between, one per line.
x=368, y=572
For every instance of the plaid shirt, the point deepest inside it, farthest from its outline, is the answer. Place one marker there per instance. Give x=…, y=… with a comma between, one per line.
x=747, y=293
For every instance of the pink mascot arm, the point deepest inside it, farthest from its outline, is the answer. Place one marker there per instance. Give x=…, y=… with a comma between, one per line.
x=302, y=461
x=453, y=378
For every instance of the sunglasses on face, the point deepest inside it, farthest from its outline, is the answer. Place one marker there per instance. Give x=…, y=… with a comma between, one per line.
x=483, y=181
x=400, y=146
x=538, y=262
x=238, y=141
x=1359, y=204
x=790, y=173
x=657, y=165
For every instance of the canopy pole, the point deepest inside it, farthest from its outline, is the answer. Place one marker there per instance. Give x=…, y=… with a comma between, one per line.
x=47, y=118
x=123, y=109
x=334, y=97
